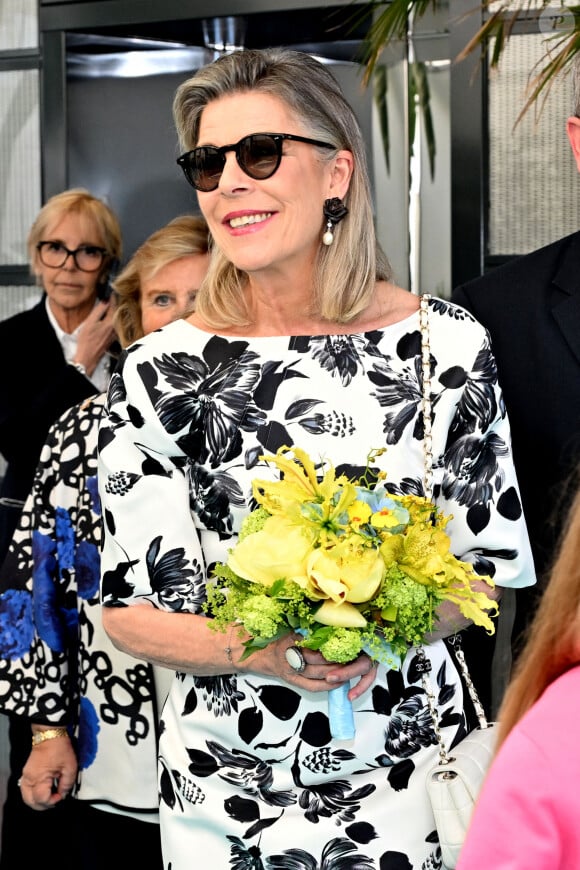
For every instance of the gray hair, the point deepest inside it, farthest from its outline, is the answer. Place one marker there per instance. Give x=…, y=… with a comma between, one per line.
x=347, y=270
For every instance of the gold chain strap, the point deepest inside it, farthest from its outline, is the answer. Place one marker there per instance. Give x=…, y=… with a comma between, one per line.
x=426, y=396
x=424, y=665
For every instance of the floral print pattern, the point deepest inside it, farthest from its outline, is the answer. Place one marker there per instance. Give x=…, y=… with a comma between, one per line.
x=245, y=760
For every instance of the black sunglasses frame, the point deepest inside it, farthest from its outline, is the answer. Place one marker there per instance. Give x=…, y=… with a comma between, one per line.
x=103, y=252
x=187, y=161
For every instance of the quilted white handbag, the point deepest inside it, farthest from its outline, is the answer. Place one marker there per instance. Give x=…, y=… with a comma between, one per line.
x=453, y=786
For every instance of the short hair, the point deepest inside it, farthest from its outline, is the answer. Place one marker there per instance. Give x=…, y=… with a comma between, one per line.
x=181, y=237
x=346, y=271
x=81, y=202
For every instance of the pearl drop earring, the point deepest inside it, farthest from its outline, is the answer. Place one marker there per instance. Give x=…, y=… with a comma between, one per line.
x=328, y=237
x=334, y=210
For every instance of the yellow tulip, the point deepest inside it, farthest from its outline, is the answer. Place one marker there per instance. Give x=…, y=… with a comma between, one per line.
x=340, y=615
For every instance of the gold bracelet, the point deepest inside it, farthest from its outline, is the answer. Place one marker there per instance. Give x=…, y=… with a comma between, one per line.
x=49, y=734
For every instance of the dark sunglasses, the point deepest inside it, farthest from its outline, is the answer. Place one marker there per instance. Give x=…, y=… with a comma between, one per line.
x=259, y=155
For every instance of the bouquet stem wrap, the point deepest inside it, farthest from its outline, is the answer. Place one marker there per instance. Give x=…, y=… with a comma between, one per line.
x=340, y=713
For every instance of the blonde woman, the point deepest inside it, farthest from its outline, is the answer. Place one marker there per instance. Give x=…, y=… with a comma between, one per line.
x=299, y=337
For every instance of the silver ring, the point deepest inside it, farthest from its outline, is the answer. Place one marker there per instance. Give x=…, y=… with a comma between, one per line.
x=295, y=659
x=19, y=783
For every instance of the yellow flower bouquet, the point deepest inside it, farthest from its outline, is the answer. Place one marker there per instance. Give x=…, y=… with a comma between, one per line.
x=345, y=564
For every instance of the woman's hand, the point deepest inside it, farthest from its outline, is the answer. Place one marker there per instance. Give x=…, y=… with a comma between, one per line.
x=95, y=336
x=450, y=620
x=319, y=675
x=49, y=773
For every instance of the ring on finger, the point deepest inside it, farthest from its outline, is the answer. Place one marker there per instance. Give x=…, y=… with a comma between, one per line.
x=295, y=658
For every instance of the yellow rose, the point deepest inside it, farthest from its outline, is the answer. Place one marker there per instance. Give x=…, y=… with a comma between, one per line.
x=344, y=573
x=278, y=551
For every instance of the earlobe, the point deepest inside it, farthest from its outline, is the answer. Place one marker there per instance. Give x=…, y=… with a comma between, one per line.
x=573, y=131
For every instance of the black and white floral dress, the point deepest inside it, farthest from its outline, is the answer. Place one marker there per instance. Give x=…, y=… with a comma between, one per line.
x=249, y=775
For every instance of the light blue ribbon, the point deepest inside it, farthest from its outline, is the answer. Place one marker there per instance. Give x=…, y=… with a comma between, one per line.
x=340, y=713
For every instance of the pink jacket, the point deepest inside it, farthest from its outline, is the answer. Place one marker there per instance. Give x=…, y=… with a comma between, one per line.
x=528, y=813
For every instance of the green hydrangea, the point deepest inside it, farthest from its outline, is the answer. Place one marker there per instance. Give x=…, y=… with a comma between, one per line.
x=262, y=616
x=343, y=645
x=254, y=522
x=407, y=608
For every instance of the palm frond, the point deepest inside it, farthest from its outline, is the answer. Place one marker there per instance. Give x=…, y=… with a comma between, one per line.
x=422, y=97
x=390, y=21
x=542, y=82
x=390, y=24
x=380, y=95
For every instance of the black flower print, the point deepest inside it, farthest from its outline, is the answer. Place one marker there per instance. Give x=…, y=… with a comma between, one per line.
x=401, y=390
x=177, y=586
x=410, y=727
x=245, y=857
x=334, y=799
x=212, y=494
x=338, y=854
x=336, y=354
x=477, y=406
x=473, y=476
x=212, y=403
x=219, y=694
x=250, y=774
x=323, y=421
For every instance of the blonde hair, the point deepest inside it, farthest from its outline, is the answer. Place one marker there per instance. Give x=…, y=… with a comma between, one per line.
x=553, y=642
x=80, y=202
x=183, y=236
x=346, y=271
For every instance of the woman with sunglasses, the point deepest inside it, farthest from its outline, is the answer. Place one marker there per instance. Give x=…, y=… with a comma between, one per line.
x=93, y=709
x=51, y=357
x=299, y=337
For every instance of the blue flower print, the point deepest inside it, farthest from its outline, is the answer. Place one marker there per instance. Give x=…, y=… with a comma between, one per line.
x=46, y=616
x=65, y=538
x=87, y=570
x=16, y=628
x=88, y=729
x=93, y=490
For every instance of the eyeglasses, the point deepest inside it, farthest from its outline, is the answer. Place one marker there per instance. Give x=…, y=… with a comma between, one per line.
x=87, y=258
x=259, y=155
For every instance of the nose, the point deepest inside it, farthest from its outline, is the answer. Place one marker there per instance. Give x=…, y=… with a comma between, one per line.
x=73, y=263
x=233, y=176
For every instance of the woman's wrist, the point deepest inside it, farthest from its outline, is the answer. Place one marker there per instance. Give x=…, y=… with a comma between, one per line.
x=42, y=733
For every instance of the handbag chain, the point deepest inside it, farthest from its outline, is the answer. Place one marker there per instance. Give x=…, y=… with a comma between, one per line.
x=424, y=665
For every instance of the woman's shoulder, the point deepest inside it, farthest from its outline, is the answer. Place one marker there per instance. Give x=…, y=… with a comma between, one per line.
x=449, y=320
x=451, y=312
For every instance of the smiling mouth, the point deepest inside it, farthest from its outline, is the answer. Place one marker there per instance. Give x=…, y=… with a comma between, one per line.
x=248, y=219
